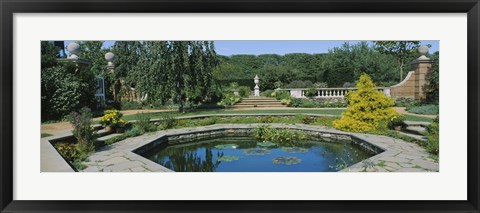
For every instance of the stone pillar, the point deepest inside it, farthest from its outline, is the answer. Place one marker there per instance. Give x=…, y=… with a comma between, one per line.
x=257, y=89
x=79, y=63
x=110, y=69
x=109, y=57
x=422, y=66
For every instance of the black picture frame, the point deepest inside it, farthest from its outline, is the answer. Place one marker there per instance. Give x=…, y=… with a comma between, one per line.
x=9, y=7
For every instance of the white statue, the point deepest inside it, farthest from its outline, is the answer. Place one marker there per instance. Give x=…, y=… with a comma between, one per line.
x=257, y=89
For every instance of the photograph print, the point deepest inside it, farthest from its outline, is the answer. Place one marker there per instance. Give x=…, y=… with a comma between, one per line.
x=240, y=106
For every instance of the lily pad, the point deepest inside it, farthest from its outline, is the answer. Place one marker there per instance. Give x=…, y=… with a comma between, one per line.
x=266, y=144
x=226, y=146
x=228, y=158
x=294, y=149
x=286, y=160
x=256, y=151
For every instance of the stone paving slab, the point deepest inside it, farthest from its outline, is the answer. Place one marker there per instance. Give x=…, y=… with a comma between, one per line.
x=417, y=123
x=398, y=155
x=416, y=129
x=104, y=138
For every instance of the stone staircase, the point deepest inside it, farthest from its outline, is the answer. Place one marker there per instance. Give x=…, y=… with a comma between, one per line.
x=259, y=102
x=415, y=129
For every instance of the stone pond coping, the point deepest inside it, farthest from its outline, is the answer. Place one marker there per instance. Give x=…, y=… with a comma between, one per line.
x=52, y=161
x=396, y=155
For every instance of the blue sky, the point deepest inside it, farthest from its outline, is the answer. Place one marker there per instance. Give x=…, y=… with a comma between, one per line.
x=278, y=47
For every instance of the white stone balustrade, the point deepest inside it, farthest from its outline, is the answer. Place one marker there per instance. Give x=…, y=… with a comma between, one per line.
x=328, y=92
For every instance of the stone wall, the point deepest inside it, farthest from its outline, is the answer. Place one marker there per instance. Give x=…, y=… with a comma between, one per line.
x=413, y=85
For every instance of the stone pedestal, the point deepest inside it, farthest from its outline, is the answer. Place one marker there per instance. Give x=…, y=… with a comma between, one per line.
x=257, y=91
x=421, y=68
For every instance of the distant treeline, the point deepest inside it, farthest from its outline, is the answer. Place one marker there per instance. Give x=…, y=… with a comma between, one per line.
x=342, y=65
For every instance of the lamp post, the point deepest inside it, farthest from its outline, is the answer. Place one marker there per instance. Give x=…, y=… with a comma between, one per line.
x=257, y=89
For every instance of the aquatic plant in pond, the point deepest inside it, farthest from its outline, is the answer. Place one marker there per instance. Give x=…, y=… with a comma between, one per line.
x=282, y=137
x=249, y=156
x=266, y=144
x=226, y=146
x=286, y=160
x=257, y=151
x=294, y=149
x=228, y=158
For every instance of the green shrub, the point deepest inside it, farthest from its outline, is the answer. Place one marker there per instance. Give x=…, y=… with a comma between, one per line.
x=68, y=151
x=396, y=121
x=115, y=139
x=311, y=92
x=244, y=91
x=64, y=90
x=167, y=121
x=208, y=121
x=308, y=120
x=143, y=123
x=318, y=103
x=82, y=129
x=430, y=109
x=287, y=102
x=281, y=137
x=433, y=137
x=368, y=109
x=267, y=93
x=325, y=121
x=229, y=100
x=267, y=119
x=43, y=135
x=134, y=131
x=406, y=102
x=281, y=94
x=113, y=118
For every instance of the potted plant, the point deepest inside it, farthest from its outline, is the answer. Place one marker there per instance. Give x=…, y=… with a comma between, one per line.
x=397, y=122
x=112, y=121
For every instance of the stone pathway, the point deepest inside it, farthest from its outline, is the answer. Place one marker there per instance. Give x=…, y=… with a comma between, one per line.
x=53, y=128
x=399, y=156
x=119, y=157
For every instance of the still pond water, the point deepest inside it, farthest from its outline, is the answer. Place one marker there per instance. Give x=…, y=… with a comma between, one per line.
x=246, y=154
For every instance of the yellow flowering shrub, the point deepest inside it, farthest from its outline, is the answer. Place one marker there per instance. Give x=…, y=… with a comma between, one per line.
x=113, y=118
x=367, y=110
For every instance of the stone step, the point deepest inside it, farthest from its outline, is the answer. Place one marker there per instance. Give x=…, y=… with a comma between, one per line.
x=417, y=123
x=418, y=137
x=258, y=106
x=97, y=126
x=103, y=132
x=106, y=137
x=417, y=130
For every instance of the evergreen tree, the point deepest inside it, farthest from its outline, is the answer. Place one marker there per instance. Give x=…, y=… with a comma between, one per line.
x=368, y=109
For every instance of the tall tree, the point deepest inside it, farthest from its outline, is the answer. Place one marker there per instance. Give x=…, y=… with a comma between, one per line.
x=180, y=63
x=126, y=58
x=432, y=88
x=92, y=51
x=403, y=51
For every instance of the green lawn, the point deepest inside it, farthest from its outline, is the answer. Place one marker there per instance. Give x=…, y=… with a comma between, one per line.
x=210, y=112
x=45, y=135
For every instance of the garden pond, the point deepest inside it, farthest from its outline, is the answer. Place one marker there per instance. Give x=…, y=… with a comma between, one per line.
x=247, y=154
